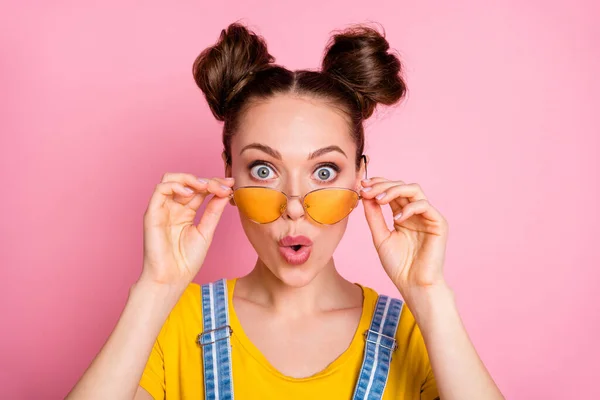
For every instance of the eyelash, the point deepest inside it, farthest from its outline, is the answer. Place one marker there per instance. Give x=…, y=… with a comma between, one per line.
x=333, y=166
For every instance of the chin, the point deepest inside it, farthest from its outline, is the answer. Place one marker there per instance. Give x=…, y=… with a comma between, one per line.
x=293, y=268
x=295, y=276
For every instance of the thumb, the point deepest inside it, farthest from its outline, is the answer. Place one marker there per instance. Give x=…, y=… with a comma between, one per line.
x=376, y=221
x=211, y=216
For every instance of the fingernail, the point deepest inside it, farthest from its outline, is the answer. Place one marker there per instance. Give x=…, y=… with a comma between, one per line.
x=398, y=216
x=366, y=180
x=202, y=180
x=228, y=179
x=367, y=189
x=225, y=187
x=187, y=189
x=380, y=196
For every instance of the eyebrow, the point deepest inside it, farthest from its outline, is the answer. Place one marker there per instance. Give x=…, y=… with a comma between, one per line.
x=275, y=154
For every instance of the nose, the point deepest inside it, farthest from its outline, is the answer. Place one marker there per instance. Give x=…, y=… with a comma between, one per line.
x=294, y=185
x=294, y=209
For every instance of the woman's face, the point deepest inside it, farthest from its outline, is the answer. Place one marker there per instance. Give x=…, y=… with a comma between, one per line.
x=294, y=144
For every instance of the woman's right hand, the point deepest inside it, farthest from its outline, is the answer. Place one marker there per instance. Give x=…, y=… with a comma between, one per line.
x=175, y=248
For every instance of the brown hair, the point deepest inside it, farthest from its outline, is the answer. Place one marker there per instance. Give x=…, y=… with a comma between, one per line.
x=357, y=73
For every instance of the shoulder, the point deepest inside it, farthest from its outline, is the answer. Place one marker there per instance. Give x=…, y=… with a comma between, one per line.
x=189, y=301
x=186, y=315
x=408, y=335
x=188, y=308
x=406, y=318
x=185, y=319
x=411, y=360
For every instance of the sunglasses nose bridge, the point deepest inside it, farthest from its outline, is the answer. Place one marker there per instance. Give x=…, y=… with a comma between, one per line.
x=293, y=210
x=299, y=197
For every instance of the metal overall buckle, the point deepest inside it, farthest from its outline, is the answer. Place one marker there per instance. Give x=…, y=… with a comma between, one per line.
x=379, y=343
x=219, y=335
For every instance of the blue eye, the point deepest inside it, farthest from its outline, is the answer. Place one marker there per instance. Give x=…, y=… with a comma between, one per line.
x=325, y=174
x=262, y=172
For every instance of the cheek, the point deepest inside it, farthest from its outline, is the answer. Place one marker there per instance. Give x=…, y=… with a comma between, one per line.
x=329, y=236
x=261, y=236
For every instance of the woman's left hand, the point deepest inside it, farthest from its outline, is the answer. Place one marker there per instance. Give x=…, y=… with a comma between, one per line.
x=413, y=252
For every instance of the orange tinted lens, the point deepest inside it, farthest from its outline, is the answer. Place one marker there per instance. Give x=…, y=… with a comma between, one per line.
x=328, y=206
x=260, y=204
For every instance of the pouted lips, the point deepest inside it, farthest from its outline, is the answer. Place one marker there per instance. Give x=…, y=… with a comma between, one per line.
x=295, y=249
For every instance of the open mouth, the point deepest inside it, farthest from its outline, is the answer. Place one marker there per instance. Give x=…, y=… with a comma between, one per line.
x=295, y=250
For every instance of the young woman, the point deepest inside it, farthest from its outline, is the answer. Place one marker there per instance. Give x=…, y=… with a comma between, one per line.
x=293, y=328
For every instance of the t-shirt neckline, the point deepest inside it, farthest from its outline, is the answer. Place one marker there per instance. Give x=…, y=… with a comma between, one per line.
x=355, y=347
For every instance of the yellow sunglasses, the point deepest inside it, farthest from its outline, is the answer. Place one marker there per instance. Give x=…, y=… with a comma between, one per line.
x=325, y=206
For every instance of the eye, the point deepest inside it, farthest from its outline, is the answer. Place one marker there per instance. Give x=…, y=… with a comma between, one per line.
x=262, y=172
x=325, y=173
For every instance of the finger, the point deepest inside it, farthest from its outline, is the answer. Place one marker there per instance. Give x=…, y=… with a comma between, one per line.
x=189, y=190
x=227, y=181
x=202, y=186
x=196, y=201
x=376, y=221
x=220, y=187
x=186, y=179
x=380, y=189
x=198, y=184
x=420, y=207
x=165, y=190
x=373, y=180
x=211, y=216
x=376, y=188
x=411, y=192
x=195, y=191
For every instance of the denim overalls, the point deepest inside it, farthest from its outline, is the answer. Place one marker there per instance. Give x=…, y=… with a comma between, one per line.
x=216, y=345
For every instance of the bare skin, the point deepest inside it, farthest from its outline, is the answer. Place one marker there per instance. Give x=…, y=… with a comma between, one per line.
x=294, y=303
x=291, y=339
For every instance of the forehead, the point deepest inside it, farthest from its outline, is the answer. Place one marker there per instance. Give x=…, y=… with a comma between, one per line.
x=293, y=125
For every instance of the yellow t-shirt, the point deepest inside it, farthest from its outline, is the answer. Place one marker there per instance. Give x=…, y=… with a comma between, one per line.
x=175, y=369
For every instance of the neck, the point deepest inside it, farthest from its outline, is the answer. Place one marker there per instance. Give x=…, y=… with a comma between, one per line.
x=327, y=291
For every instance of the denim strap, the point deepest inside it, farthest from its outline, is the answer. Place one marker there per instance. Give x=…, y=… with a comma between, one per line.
x=380, y=344
x=215, y=342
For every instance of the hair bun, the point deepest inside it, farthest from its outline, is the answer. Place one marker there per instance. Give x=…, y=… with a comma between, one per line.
x=223, y=70
x=358, y=58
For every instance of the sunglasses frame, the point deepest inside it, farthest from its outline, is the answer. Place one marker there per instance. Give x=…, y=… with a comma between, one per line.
x=288, y=197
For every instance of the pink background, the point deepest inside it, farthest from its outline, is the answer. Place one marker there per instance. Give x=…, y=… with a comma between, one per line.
x=500, y=128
